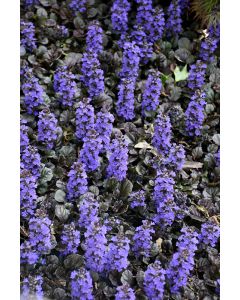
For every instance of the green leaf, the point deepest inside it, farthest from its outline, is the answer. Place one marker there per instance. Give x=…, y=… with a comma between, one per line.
x=126, y=188
x=60, y=196
x=46, y=175
x=180, y=74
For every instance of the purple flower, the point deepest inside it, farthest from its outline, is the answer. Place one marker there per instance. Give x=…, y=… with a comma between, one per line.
x=125, y=102
x=176, y=157
x=118, y=158
x=77, y=183
x=89, y=154
x=182, y=262
x=94, y=38
x=28, y=194
x=32, y=90
x=210, y=233
x=154, y=281
x=130, y=61
x=70, y=238
x=28, y=254
x=209, y=44
x=137, y=199
x=140, y=38
x=65, y=86
x=162, y=134
x=81, y=285
x=184, y=5
x=92, y=75
x=24, y=139
x=117, y=256
x=104, y=126
x=196, y=76
x=119, y=15
x=30, y=2
x=217, y=158
x=152, y=91
x=142, y=239
x=47, y=128
x=144, y=15
x=157, y=27
x=95, y=245
x=163, y=197
x=88, y=210
x=125, y=292
x=40, y=234
x=195, y=114
x=32, y=286
x=174, y=20
x=30, y=160
x=28, y=40
x=84, y=118
x=78, y=6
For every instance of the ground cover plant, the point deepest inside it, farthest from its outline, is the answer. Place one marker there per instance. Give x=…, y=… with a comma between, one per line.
x=120, y=149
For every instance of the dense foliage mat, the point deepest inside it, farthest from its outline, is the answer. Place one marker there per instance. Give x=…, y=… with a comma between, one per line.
x=119, y=151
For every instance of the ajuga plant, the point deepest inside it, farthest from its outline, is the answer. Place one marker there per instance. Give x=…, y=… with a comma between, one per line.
x=125, y=102
x=195, y=114
x=28, y=40
x=118, y=157
x=151, y=93
x=182, y=261
x=130, y=61
x=119, y=17
x=70, y=238
x=65, y=86
x=47, y=128
x=206, y=11
x=144, y=15
x=30, y=160
x=210, y=233
x=125, y=292
x=24, y=139
x=156, y=29
x=81, y=285
x=145, y=46
x=32, y=91
x=174, y=19
x=89, y=154
x=117, y=256
x=154, y=281
x=32, y=287
x=28, y=194
x=142, y=239
x=29, y=3
x=137, y=199
x=92, y=75
x=88, y=210
x=84, y=118
x=196, y=76
x=104, y=126
x=78, y=6
x=77, y=181
x=94, y=39
x=95, y=244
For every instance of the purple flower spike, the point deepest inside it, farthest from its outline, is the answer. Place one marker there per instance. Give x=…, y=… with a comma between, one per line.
x=77, y=182
x=152, y=91
x=65, y=86
x=119, y=16
x=81, y=285
x=89, y=155
x=95, y=243
x=142, y=239
x=125, y=103
x=47, y=128
x=182, y=262
x=118, y=158
x=154, y=281
x=125, y=292
x=195, y=114
x=70, y=238
x=84, y=118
